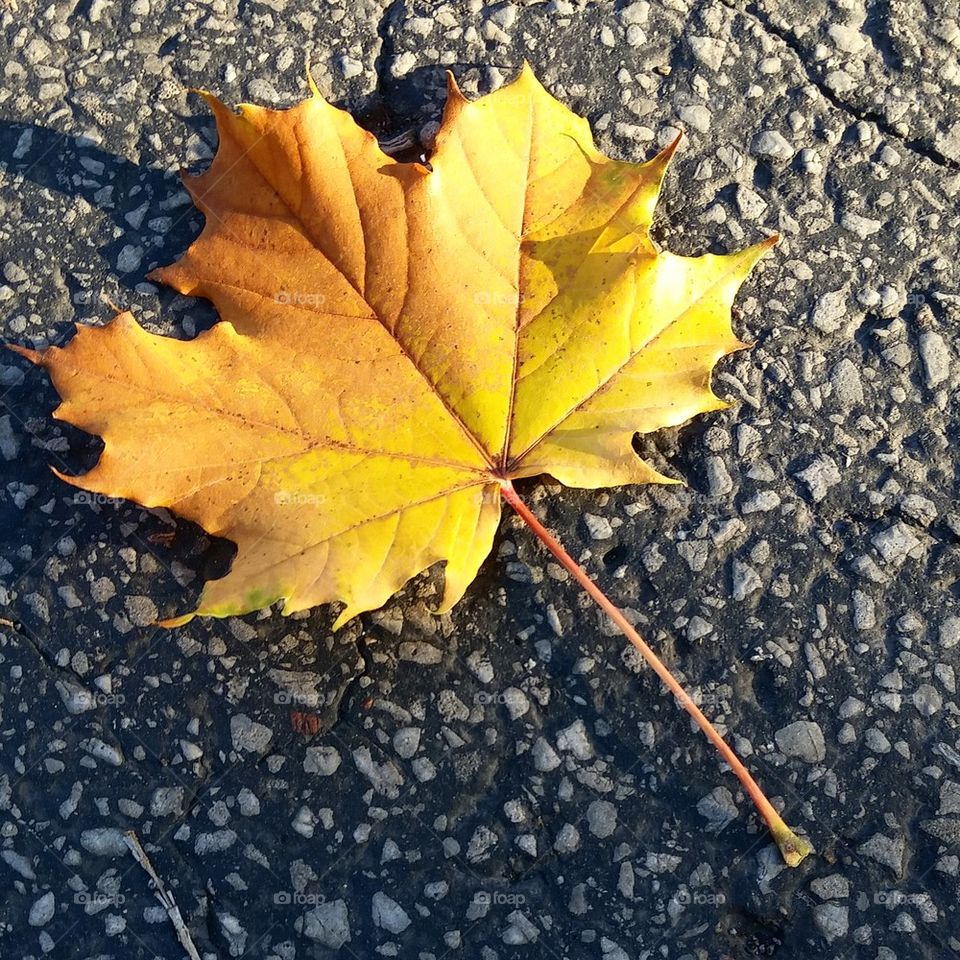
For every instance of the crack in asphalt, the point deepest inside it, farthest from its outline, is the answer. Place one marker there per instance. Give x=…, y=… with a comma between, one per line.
x=916, y=145
x=45, y=656
x=347, y=690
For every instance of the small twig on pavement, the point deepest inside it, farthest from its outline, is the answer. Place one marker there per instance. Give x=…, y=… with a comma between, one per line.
x=162, y=894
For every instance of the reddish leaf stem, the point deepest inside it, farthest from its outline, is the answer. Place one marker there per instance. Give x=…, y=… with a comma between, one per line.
x=794, y=848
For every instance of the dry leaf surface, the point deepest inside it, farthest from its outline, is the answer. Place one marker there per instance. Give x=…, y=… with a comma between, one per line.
x=397, y=340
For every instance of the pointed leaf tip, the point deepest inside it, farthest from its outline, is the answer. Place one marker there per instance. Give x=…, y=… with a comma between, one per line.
x=201, y=92
x=34, y=356
x=311, y=83
x=671, y=148
x=453, y=88
x=172, y=622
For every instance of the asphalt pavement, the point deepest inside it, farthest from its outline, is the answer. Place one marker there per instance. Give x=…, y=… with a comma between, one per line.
x=506, y=781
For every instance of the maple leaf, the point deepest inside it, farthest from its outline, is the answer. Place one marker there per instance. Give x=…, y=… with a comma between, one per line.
x=398, y=343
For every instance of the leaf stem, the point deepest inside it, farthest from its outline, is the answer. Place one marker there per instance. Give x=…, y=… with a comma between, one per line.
x=794, y=848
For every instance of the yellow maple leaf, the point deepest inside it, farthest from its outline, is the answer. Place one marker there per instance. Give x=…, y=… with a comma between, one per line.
x=398, y=343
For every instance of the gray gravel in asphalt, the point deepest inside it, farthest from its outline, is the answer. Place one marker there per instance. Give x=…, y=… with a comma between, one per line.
x=507, y=781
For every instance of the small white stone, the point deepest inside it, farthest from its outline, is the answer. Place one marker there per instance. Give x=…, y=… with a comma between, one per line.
x=516, y=702
x=22, y=865
x=864, y=612
x=695, y=552
x=248, y=735
x=166, y=801
x=104, y=842
x=698, y=628
x=527, y=842
x=599, y=528
x=949, y=798
x=718, y=478
x=927, y=700
x=834, y=887
x=877, y=741
x=863, y=227
x=935, y=358
x=328, y=924
x=574, y=739
x=105, y=752
x=819, y=476
x=761, y=502
x=802, y=739
x=215, y=842
x=423, y=769
x=770, y=143
x=42, y=910
x=385, y=778
x=846, y=384
x=832, y=920
x=851, y=707
x=14, y=273
x=847, y=39
x=949, y=632
x=708, y=50
x=696, y=116
x=545, y=758
x=248, y=802
x=718, y=808
x=568, y=839
x=602, y=818
x=403, y=64
x=406, y=741
x=885, y=850
x=419, y=651
x=895, y=543
x=749, y=203
x=75, y=698
x=350, y=67
x=129, y=258
x=388, y=914
x=746, y=580
x=304, y=822
x=918, y=508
